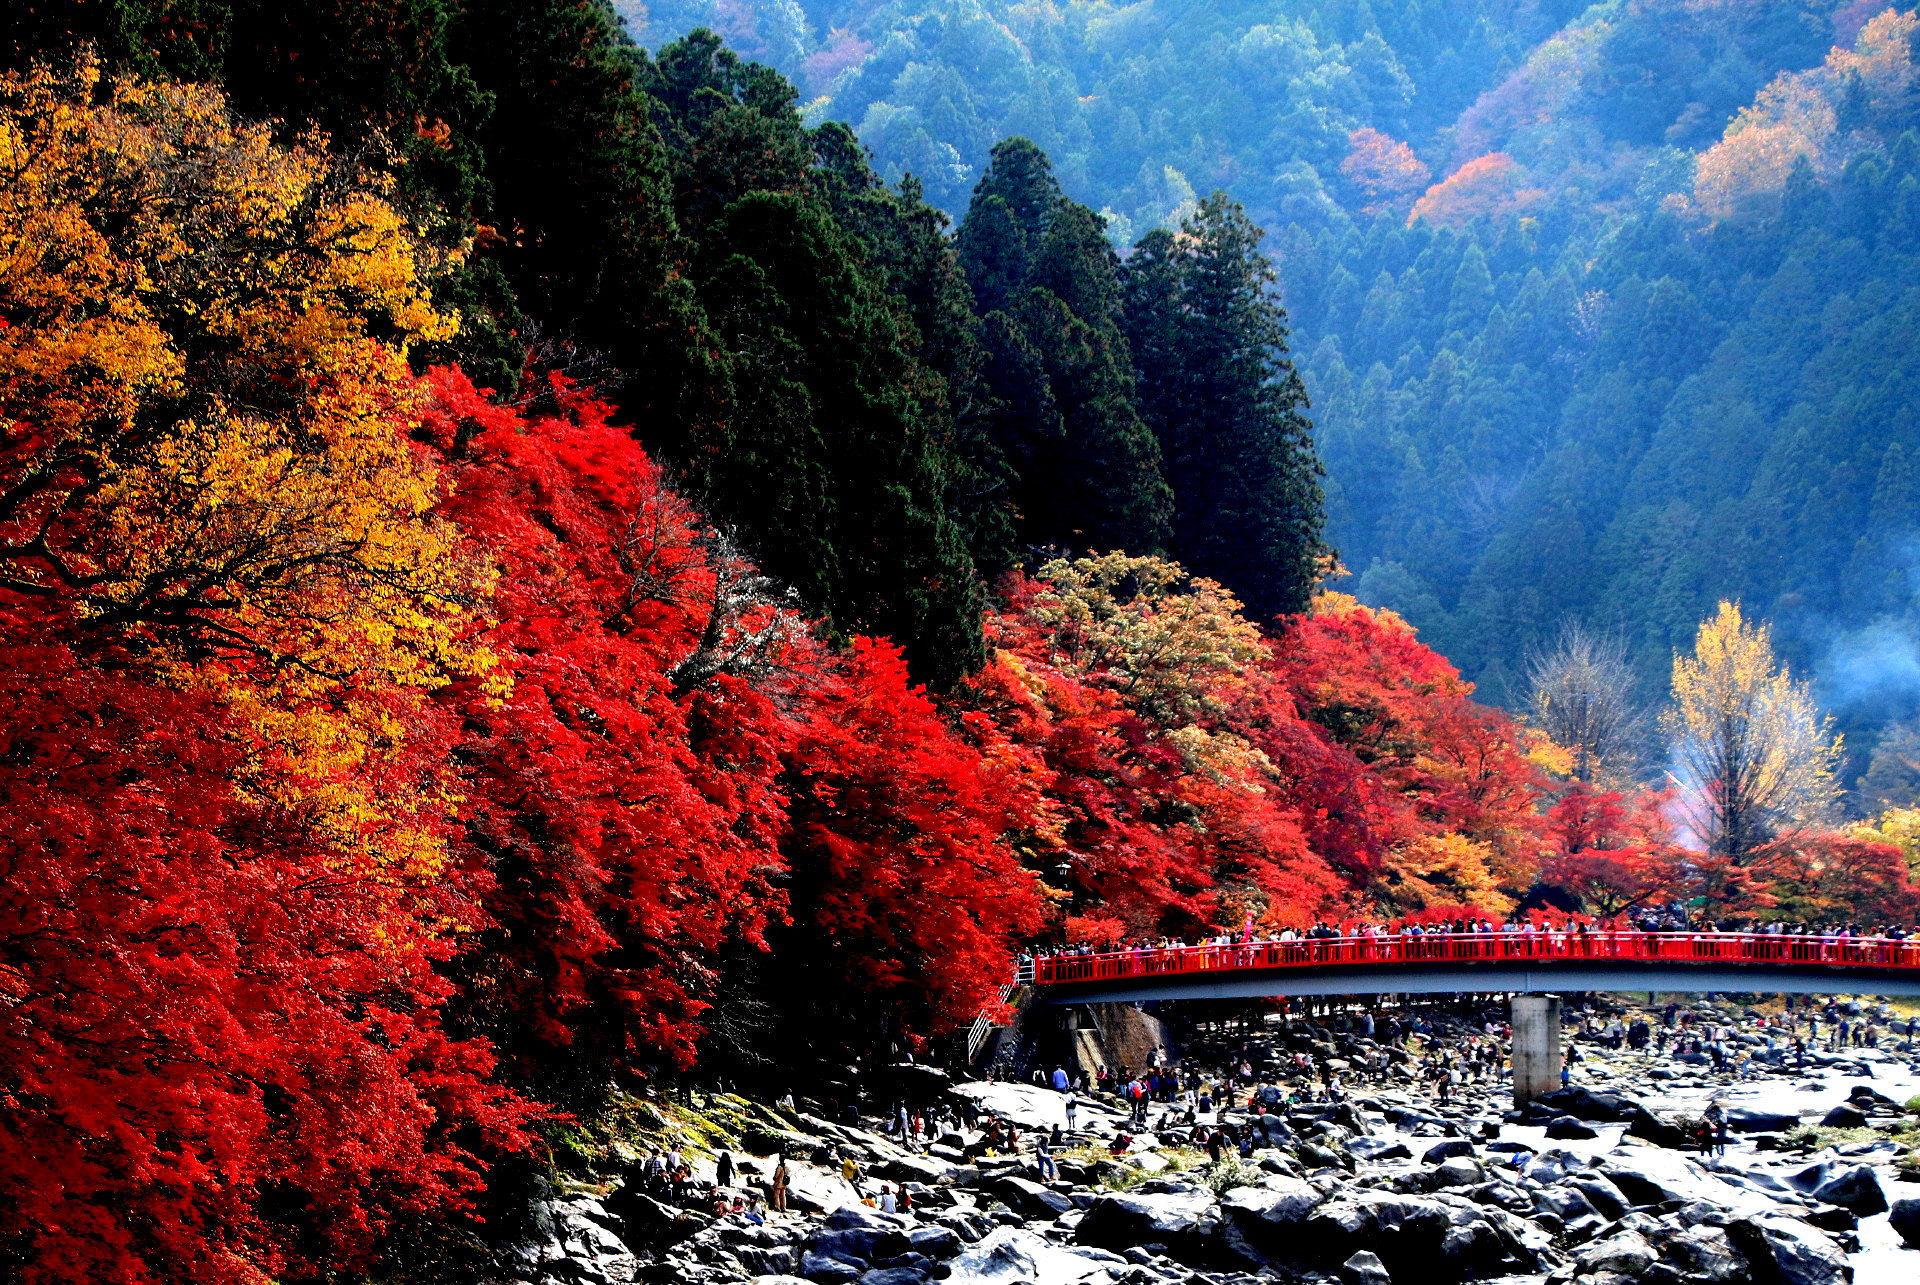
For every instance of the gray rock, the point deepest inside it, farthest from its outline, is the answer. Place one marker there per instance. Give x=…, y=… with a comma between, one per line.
x=1608, y=1199
x=1275, y=1203
x=1012, y=1256
x=1365, y=1268
x=764, y=1260
x=1855, y=1188
x=646, y=1223
x=1029, y=1198
x=1844, y=1117
x=1754, y=1120
x=1705, y=1253
x=854, y=1235
x=1904, y=1218
x=1637, y=1186
x=1831, y=1218
x=824, y=1270
x=934, y=1242
x=1460, y=1171
x=915, y=1169
x=1787, y=1252
x=1407, y=1232
x=1447, y=1150
x=1587, y=1104
x=1377, y=1149
x=1626, y=1253
x=894, y=1276
x=1569, y=1128
x=1182, y=1220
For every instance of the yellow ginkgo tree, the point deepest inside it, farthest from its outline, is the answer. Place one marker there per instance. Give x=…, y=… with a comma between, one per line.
x=1754, y=761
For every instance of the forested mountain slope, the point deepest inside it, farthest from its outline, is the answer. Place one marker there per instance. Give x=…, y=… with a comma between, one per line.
x=1603, y=312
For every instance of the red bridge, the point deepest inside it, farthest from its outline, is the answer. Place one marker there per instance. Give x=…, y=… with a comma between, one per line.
x=1486, y=963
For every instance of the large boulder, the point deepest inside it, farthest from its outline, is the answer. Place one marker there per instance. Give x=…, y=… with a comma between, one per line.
x=1568, y=1128
x=1602, y=1194
x=1852, y=1187
x=1904, y=1218
x=911, y=1168
x=1754, y=1120
x=815, y=1191
x=1027, y=1105
x=1844, y=1116
x=1625, y=1252
x=646, y=1223
x=1565, y=1202
x=1460, y=1171
x=1785, y=1252
x=934, y=1242
x=1015, y=1256
x=1638, y=1186
x=855, y=1235
x=1405, y=1231
x=1263, y=1223
x=1587, y=1104
x=1377, y=1149
x=1270, y=1131
x=1649, y=1127
x=1182, y=1218
x=1029, y=1198
x=1704, y=1253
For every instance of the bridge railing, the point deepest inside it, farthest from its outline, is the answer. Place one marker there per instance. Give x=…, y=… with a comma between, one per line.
x=1468, y=948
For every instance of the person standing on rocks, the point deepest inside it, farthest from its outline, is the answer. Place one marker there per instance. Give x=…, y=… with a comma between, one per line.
x=1716, y=1121
x=723, y=1170
x=781, y=1180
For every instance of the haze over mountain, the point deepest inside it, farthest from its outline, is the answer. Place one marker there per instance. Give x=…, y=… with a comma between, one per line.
x=1605, y=312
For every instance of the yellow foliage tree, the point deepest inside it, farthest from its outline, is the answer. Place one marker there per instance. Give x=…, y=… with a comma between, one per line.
x=1170, y=642
x=204, y=399
x=1443, y=870
x=1754, y=759
x=1795, y=116
x=1898, y=826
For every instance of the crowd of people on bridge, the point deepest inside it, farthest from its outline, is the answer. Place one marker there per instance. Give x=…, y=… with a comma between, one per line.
x=1561, y=928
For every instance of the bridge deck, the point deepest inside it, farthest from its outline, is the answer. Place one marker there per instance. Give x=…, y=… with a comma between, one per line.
x=1488, y=962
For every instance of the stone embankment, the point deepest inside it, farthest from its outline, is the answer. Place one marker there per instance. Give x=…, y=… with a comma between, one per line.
x=1599, y=1184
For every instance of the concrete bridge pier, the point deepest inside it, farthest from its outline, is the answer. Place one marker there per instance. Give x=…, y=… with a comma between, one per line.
x=1536, y=1047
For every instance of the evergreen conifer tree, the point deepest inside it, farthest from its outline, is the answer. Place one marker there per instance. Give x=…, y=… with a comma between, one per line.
x=1220, y=392
x=1087, y=471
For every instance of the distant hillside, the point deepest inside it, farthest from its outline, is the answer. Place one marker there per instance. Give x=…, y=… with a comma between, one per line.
x=1641, y=346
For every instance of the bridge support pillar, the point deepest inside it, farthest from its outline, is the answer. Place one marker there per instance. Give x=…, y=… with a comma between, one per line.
x=1536, y=1047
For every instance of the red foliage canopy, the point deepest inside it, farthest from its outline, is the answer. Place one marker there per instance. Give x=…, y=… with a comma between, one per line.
x=624, y=848
x=204, y=1014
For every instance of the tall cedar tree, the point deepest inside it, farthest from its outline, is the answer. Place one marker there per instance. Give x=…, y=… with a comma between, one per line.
x=832, y=462
x=1087, y=470
x=1209, y=341
x=582, y=217
x=907, y=247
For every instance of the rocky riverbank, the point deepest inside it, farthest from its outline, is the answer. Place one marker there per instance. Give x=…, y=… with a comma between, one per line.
x=1597, y=1185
